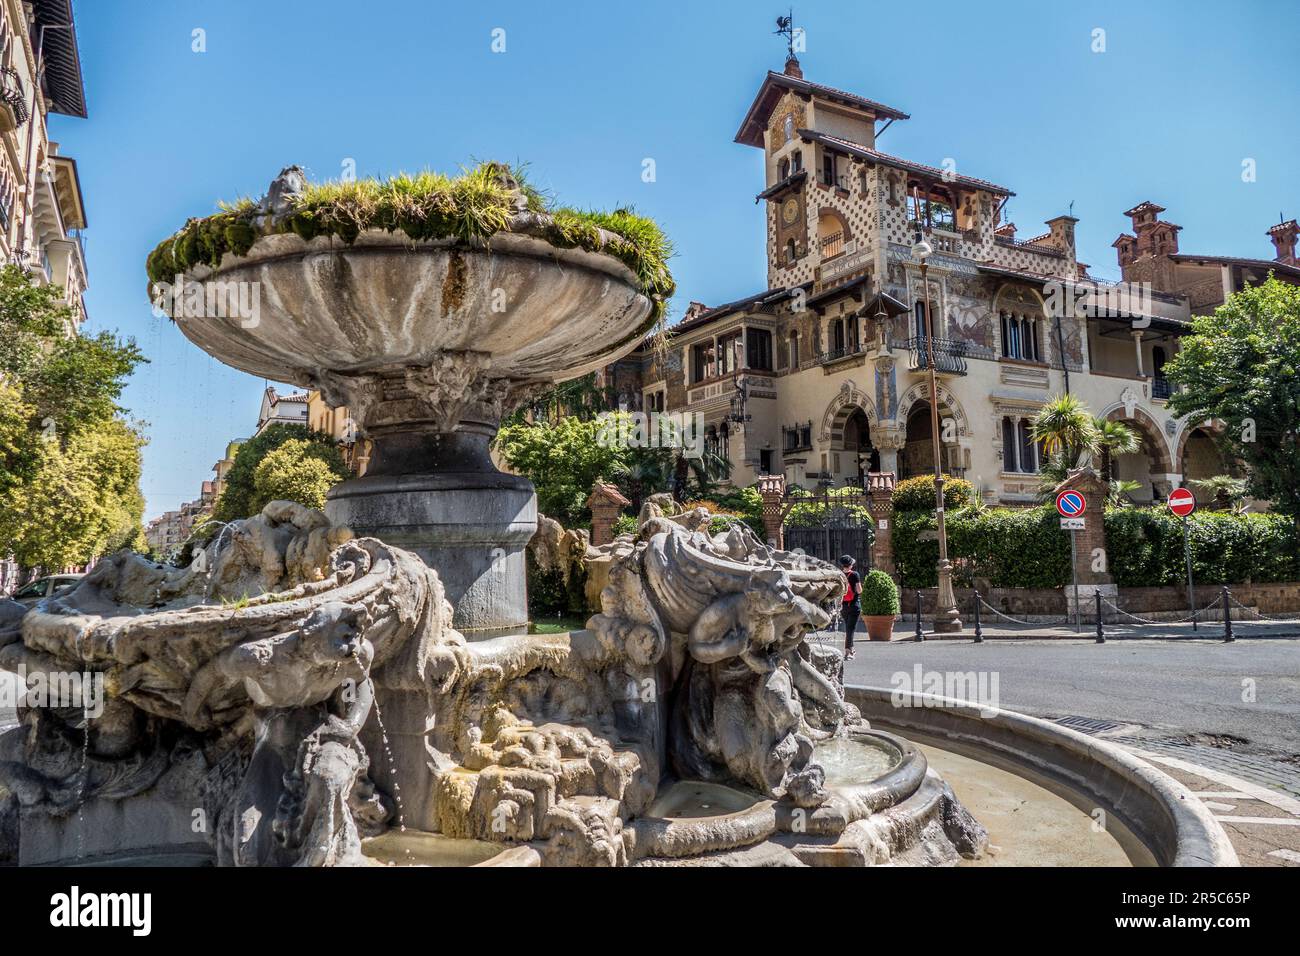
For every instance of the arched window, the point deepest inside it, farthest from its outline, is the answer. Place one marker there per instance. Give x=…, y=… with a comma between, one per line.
x=1006, y=334
x=797, y=157
x=837, y=335
x=920, y=319
x=783, y=169
x=1028, y=450
x=1015, y=338
x=1009, y=445
x=789, y=252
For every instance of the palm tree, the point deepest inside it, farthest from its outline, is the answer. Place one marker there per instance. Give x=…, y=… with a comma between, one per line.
x=1225, y=492
x=1114, y=438
x=1066, y=430
x=1120, y=493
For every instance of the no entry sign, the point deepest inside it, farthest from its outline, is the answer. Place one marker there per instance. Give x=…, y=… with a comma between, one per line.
x=1182, y=502
x=1070, y=504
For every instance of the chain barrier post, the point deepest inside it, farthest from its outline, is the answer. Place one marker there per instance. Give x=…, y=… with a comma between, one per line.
x=1226, y=597
x=1101, y=636
x=979, y=631
x=919, y=635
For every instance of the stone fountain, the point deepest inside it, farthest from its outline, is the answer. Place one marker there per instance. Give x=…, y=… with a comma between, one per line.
x=317, y=679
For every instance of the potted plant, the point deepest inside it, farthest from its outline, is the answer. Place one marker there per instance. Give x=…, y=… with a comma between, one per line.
x=879, y=605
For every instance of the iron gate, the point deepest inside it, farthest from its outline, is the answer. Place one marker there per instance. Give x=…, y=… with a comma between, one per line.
x=826, y=526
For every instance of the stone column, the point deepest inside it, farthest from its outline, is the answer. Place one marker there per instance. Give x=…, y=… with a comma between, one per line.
x=772, y=489
x=880, y=502
x=1090, y=543
x=606, y=503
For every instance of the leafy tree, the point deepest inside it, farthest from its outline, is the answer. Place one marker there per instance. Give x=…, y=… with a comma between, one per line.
x=69, y=462
x=74, y=499
x=296, y=472
x=286, y=477
x=563, y=459
x=1241, y=365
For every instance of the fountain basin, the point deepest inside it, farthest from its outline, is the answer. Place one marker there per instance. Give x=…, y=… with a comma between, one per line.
x=1161, y=814
x=428, y=344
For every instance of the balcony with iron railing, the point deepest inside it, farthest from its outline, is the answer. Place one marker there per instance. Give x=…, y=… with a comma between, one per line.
x=832, y=245
x=1162, y=389
x=13, y=100
x=949, y=354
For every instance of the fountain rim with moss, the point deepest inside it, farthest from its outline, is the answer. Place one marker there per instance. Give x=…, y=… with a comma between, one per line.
x=485, y=200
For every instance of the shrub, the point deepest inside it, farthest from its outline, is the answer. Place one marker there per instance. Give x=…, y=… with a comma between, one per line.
x=624, y=524
x=745, y=503
x=879, y=594
x=1008, y=547
x=917, y=494
x=814, y=514
x=1145, y=546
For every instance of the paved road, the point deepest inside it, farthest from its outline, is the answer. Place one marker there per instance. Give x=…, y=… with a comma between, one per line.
x=1171, y=687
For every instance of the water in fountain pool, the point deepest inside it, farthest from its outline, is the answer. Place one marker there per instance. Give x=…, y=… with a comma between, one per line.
x=855, y=760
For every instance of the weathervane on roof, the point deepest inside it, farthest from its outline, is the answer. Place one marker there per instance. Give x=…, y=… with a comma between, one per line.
x=785, y=27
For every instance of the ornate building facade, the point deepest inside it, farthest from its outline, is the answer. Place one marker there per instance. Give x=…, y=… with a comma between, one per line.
x=832, y=357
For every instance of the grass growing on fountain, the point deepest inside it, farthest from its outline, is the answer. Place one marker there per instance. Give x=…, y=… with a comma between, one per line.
x=471, y=207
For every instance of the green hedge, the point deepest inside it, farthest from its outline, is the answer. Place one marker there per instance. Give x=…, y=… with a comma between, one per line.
x=917, y=494
x=1145, y=546
x=1009, y=547
x=1026, y=548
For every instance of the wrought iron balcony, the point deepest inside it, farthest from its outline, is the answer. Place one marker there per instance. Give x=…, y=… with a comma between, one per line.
x=12, y=99
x=949, y=355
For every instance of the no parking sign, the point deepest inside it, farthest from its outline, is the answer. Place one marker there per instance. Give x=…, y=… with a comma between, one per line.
x=1071, y=504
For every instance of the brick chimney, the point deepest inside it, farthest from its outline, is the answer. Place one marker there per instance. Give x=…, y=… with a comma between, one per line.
x=1155, y=237
x=1125, y=249
x=694, y=309
x=1062, y=234
x=1284, y=236
x=792, y=67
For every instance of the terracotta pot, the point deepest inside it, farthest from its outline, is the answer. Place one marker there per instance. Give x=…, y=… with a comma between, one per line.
x=880, y=627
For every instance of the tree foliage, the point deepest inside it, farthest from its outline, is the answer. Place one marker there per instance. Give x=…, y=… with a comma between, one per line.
x=69, y=461
x=296, y=471
x=310, y=465
x=1241, y=365
x=562, y=459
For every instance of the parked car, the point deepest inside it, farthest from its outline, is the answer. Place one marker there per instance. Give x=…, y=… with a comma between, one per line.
x=49, y=586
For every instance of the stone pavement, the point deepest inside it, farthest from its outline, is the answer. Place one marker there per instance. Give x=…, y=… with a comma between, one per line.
x=905, y=630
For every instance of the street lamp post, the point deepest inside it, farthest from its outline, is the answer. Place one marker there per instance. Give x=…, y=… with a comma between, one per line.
x=947, y=618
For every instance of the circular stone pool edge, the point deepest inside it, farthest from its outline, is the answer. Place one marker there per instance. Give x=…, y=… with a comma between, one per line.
x=1162, y=814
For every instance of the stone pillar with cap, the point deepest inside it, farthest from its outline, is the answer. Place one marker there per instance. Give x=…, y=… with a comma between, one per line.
x=880, y=503
x=1091, y=560
x=606, y=503
x=772, y=490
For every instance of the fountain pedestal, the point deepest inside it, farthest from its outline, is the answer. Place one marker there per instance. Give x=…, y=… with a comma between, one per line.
x=440, y=496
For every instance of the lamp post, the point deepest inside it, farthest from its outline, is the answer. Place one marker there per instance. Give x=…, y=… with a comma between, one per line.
x=947, y=618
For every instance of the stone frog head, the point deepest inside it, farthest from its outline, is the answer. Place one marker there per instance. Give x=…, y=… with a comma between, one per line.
x=769, y=591
x=334, y=633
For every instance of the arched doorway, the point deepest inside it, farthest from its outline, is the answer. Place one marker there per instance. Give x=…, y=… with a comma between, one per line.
x=1199, y=456
x=1147, y=466
x=917, y=454
x=862, y=456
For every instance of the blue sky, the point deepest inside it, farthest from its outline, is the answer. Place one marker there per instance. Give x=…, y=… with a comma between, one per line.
x=586, y=91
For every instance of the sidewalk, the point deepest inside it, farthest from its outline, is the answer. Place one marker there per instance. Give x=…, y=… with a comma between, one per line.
x=905, y=630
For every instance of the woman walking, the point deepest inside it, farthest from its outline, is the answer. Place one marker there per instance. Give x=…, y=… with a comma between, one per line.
x=852, y=607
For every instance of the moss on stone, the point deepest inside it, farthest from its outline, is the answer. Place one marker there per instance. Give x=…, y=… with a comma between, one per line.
x=471, y=208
